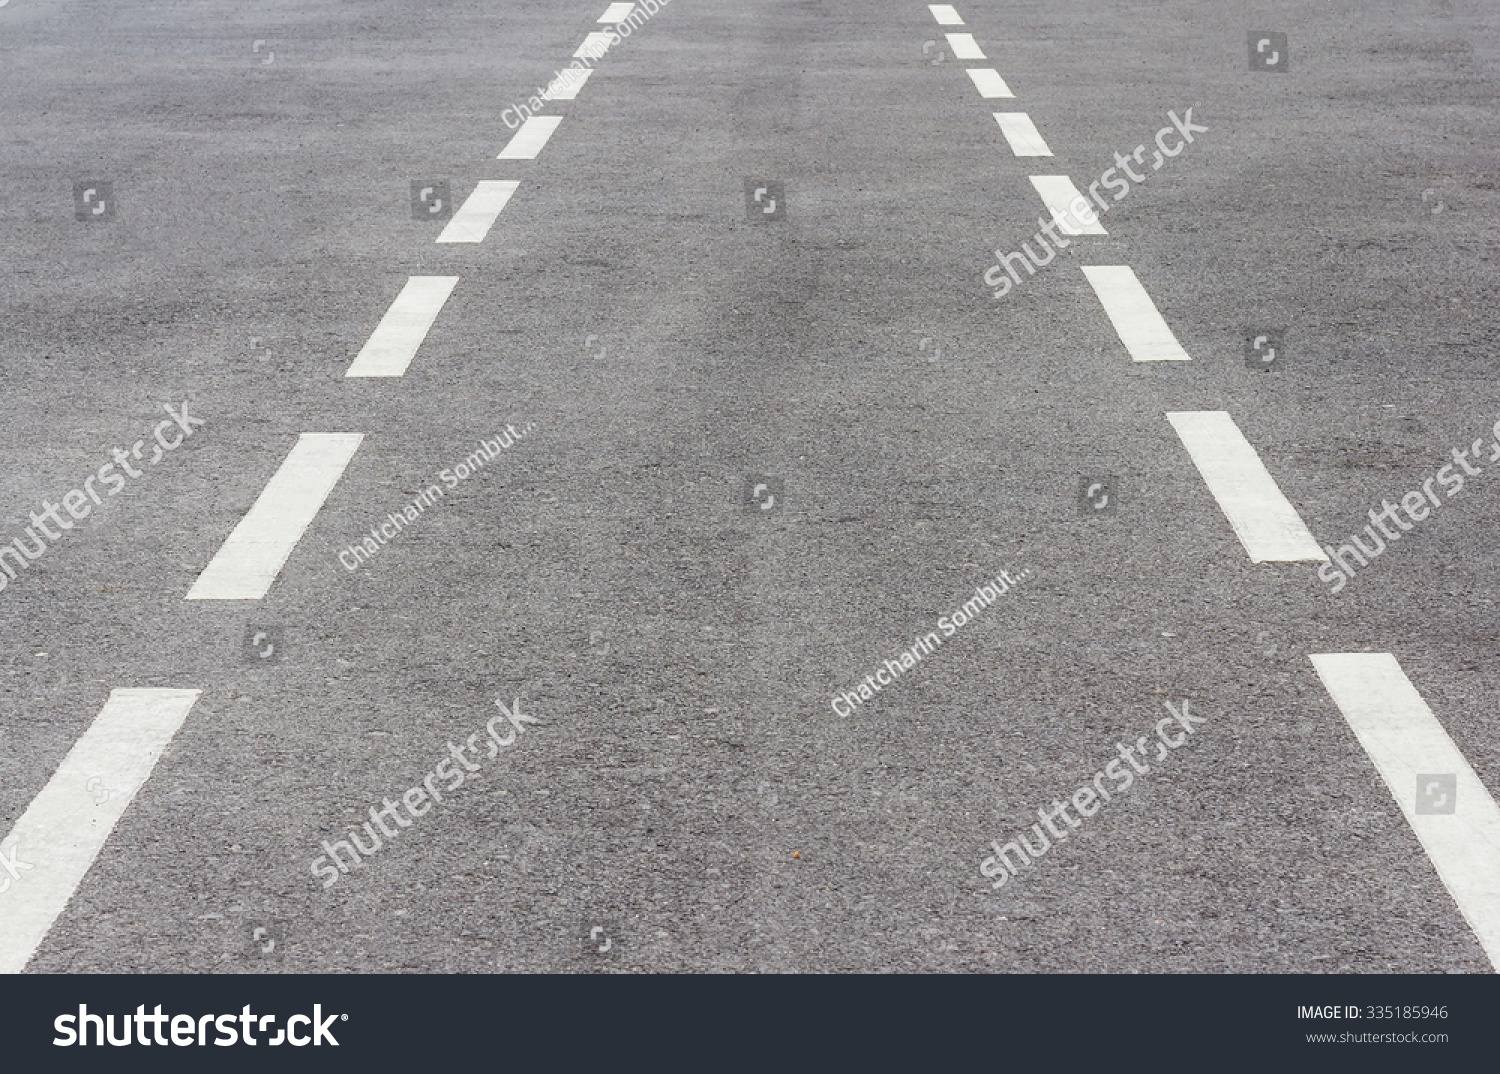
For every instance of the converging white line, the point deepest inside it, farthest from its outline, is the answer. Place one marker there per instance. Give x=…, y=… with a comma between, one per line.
x=616, y=13
x=474, y=219
x=566, y=88
x=594, y=46
x=527, y=142
x=394, y=343
x=1138, y=322
x=1072, y=211
x=256, y=550
x=1452, y=812
x=965, y=47
x=988, y=82
x=51, y=848
x=1021, y=134
x=945, y=14
x=1263, y=519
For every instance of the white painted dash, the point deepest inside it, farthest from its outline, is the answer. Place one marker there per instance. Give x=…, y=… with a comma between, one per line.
x=946, y=14
x=1263, y=519
x=988, y=82
x=1073, y=212
x=477, y=215
x=594, y=46
x=616, y=12
x=527, y=142
x=566, y=85
x=1135, y=317
x=256, y=550
x=965, y=47
x=394, y=343
x=51, y=848
x=1422, y=766
x=1021, y=134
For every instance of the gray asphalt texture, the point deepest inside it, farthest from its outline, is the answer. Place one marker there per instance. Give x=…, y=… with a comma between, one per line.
x=687, y=793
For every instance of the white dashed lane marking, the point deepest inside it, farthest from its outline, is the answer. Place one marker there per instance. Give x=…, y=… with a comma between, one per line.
x=988, y=82
x=394, y=343
x=473, y=221
x=1073, y=212
x=1135, y=317
x=1458, y=823
x=964, y=47
x=257, y=549
x=945, y=14
x=528, y=141
x=1263, y=519
x=1021, y=134
x=616, y=12
x=566, y=89
x=57, y=839
x=594, y=46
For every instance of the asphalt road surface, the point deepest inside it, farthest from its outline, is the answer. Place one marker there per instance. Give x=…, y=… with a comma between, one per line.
x=561, y=481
